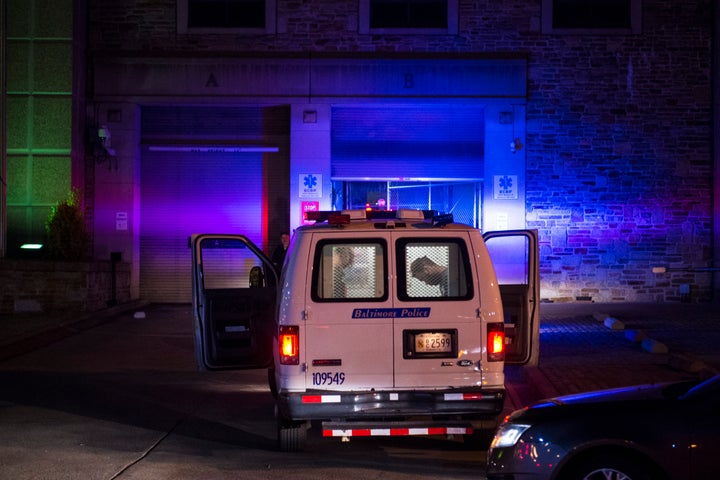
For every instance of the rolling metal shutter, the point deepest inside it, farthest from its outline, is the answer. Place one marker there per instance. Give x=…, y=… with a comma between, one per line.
x=407, y=142
x=206, y=170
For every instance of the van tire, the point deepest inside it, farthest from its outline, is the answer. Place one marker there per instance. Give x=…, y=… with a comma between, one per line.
x=291, y=436
x=479, y=439
x=483, y=433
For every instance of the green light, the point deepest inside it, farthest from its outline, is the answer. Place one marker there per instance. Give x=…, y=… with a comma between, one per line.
x=31, y=246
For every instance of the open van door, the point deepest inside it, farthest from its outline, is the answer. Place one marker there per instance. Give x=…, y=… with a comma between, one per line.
x=515, y=255
x=234, y=292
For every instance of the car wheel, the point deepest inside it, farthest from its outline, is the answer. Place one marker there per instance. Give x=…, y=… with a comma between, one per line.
x=609, y=467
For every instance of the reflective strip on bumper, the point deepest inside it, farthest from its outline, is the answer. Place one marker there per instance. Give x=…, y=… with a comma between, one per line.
x=321, y=399
x=391, y=432
x=462, y=396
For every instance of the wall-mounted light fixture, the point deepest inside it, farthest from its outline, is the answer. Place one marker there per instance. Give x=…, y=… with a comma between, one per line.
x=103, y=134
x=99, y=141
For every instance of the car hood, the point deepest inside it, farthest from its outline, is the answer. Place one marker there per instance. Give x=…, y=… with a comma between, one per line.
x=655, y=391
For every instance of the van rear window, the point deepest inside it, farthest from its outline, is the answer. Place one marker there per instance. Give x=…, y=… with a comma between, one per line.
x=432, y=269
x=350, y=271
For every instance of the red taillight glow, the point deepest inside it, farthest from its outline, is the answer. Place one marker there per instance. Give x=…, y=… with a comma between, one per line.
x=496, y=342
x=289, y=344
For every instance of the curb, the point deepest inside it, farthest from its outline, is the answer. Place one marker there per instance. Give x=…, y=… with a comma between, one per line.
x=542, y=388
x=653, y=346
x=682, y=362
x=637, y=336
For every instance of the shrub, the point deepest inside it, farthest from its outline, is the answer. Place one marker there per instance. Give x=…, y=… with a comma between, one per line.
x=67, y=236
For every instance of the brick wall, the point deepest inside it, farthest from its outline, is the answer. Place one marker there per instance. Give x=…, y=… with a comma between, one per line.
x=36, y=286
x=619, y=158
x=618, y=143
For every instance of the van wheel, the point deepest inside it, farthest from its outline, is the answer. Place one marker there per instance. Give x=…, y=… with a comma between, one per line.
x=480, y=439
x=291, y=436
x=483, y=433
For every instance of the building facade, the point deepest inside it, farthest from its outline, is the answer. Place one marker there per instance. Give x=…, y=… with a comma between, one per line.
x=593, y=126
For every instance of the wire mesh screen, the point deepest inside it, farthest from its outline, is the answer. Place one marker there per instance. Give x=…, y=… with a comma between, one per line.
x=350, y=270
x=462, y=199
x=427, y=271
x=435, y=270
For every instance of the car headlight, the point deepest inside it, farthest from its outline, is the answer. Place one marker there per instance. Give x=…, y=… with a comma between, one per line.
x=508, y=434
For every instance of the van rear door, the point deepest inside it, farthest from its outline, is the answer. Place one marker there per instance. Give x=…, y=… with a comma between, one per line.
x=233, y=302
x=348, y=324
x=515, y=257
x=437, y=334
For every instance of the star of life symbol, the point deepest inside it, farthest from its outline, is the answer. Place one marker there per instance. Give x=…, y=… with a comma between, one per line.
x=506, y=184
x=310, y=181
x=310, y=185
x=506, y=187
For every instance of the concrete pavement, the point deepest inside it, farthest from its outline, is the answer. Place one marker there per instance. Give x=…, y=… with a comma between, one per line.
x=583, y=346
x=588, y=346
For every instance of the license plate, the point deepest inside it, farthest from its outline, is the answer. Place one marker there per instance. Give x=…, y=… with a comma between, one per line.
x=440, y=343
x=433, y=342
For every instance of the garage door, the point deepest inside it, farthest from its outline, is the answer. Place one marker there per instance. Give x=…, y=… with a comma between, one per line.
x=410, y=156
x=408, y=142
x=217, y=176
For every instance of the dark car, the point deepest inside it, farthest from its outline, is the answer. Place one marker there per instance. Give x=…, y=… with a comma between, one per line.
x=660, y=431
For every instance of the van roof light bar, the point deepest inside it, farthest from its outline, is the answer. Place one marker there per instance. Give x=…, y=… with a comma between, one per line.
x=444, y=219
x=410, y=214
x=331, y=217
x=356, y=214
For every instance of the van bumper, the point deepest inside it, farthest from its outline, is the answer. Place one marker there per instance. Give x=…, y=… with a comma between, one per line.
x=336, y=405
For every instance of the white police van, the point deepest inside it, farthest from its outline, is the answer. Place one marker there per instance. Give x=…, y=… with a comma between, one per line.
x=380, y=323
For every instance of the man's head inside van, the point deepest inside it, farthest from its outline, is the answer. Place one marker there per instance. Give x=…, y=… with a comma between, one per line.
x=427, y=271
x=343, y=257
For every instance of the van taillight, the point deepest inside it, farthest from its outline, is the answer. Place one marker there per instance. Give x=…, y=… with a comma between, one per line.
x=496, y=342
x=289, y=344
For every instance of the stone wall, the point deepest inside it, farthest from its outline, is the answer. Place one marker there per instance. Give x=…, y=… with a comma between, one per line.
x=618, y=134
x=37, y=286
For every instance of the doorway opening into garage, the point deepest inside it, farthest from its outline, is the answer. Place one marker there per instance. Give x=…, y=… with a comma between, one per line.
x=423, y=156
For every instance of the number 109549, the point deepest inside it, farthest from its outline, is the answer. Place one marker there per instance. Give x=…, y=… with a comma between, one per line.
x=328, y=378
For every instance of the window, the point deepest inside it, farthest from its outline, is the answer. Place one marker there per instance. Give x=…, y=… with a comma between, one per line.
x=349, y=271
x=226, y=16
x=227, y=263
x=591, y=16
x=431, y=269
x=409, y=16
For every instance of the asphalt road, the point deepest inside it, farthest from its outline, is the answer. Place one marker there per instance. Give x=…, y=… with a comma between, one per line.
x=124, y=401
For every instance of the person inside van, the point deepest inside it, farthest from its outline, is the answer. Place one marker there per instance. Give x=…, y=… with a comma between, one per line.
x=431, y=273
x=342, y=259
